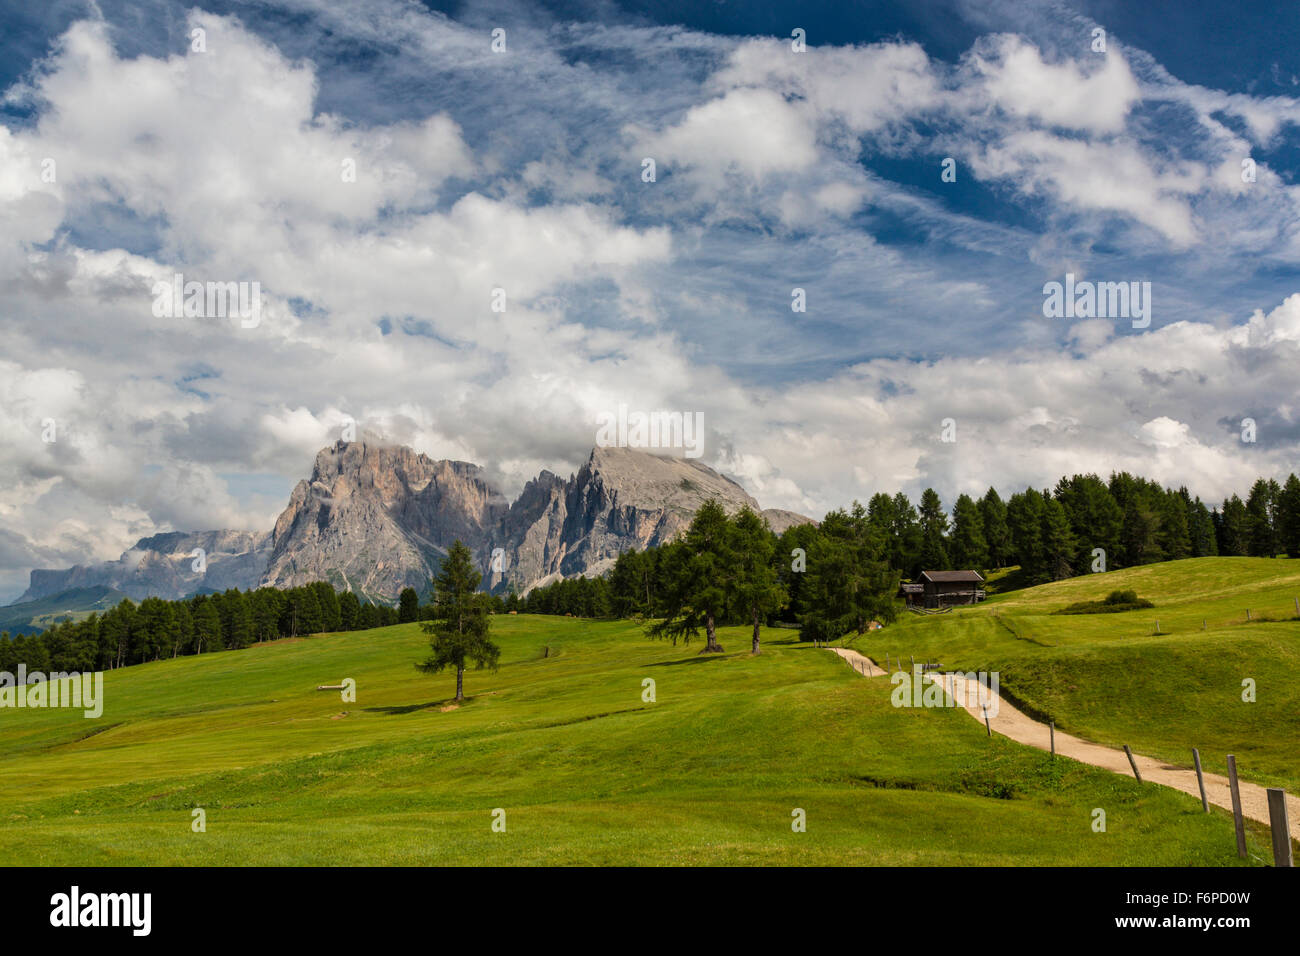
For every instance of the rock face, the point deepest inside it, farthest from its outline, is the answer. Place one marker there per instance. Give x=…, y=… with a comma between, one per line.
x=778, y=519
x=620, y=499
x=163, y=565
x=376, y=519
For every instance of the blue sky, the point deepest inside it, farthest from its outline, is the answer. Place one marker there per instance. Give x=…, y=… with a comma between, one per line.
x=776, y=170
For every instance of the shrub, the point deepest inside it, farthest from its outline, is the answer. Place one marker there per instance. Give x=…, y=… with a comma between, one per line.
x=1115, y=601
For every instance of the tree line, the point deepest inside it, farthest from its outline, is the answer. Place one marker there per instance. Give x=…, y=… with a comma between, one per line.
x=130, y=633
x=838, y=571
x=827, y=579
x=726, y=570
x=154, y=629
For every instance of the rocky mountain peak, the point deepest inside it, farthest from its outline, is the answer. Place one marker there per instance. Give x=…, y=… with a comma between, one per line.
x=376, y=518
x=668, y=482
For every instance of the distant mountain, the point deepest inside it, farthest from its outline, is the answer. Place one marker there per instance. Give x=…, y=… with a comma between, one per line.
x=163, y=565
x=619, y=500
x=779, y=519
x=31, y=617
x=375, y=519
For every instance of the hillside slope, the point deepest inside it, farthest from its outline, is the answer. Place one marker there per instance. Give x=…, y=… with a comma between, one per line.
x=562, y=740
x=32, y=617
x=1111, y=678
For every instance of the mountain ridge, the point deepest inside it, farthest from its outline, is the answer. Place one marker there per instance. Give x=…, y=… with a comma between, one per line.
x=375, y=518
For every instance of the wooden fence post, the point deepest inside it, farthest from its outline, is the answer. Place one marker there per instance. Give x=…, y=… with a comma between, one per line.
x=1236, y=806
x=1200, y=779
x=1278, y=824
x=1133, y=763
x=1051, y=727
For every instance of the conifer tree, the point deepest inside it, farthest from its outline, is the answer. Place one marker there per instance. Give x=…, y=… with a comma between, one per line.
x=993, y=517
x=970, y=549
x=460, y=626
x=757, y=591
x=697, y=575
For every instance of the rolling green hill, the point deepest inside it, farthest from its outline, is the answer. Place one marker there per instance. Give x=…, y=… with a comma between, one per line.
x=559, y=738
x=32, y=617
x=1111, y=678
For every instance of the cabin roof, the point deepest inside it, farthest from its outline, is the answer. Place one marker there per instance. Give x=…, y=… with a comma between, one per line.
x=949, y=577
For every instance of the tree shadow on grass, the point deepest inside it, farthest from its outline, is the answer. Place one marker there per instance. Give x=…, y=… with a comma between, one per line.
x=700, y=659
x=412, y=708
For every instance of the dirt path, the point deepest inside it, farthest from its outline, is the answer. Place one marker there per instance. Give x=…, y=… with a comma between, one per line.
x=861, y=663
x=1010, y=722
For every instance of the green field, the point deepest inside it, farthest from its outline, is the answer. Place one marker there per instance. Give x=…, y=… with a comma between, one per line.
x=585, y=770
x=1112, y=679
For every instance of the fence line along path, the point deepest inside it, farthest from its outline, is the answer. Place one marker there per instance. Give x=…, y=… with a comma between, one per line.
x=1012, y=723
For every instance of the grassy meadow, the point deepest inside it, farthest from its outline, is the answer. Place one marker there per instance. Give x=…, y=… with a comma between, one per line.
x=1111, y=678
x=588, y=772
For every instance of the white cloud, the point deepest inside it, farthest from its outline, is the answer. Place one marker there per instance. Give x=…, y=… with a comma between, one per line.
x=377, y=292
x=1114, y=177
x=1012, y=75
x=864, y=87
x=751, y=131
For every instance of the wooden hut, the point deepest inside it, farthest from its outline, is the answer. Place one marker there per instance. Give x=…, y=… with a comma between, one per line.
x=934, y=589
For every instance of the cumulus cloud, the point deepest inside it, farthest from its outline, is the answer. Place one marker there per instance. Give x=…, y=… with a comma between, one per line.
x=751, y=131
x=475, y=267
x=1011, y=74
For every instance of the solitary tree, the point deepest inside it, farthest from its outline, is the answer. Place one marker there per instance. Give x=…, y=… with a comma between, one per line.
x=460, y=624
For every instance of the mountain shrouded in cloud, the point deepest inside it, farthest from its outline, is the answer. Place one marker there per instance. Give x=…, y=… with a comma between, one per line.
x=374, y=519
x=457, y=251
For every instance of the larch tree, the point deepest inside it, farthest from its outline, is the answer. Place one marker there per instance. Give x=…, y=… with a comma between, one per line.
x=1288, y=514
x=970, y=549
x=757, y=592
x=934, y=530
x=849, y=581
x=698, y=573
x=459, y=628
x=993, y=516
x=408, y=606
